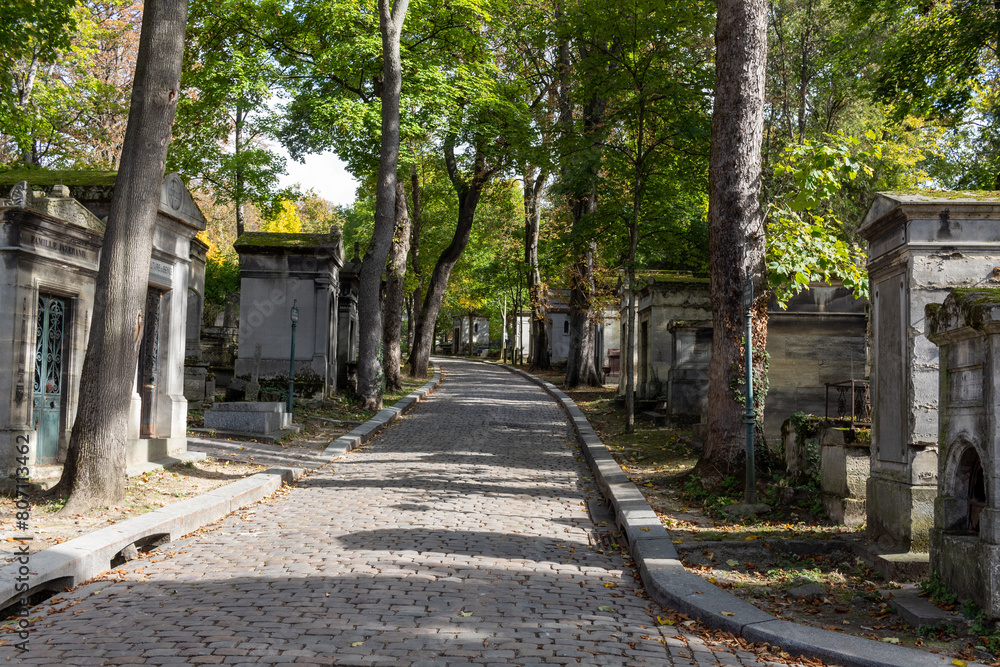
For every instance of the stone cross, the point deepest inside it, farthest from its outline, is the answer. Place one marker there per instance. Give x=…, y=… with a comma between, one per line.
x=253, y=386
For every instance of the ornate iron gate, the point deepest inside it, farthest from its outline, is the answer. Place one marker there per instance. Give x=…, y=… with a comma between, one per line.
x=47, y=405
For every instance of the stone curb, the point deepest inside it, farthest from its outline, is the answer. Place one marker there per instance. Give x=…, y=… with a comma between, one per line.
x=669, y=583
x=368, y=430
x=71, y=563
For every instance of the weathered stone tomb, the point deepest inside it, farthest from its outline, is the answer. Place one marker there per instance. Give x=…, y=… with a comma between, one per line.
x=279, y=272
x=920, y=247
x=50, y=250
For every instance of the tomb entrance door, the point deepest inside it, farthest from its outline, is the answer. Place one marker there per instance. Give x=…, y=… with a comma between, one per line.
x=47, y=404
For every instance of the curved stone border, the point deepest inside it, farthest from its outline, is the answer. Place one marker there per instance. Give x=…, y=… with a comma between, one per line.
x=669, y=583
x=73, y=562
x=385, y=416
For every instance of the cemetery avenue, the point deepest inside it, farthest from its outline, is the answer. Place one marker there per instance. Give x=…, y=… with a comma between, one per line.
x=457, y=536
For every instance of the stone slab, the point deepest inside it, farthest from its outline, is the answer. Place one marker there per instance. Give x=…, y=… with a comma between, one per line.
x=918, y=611
x=905, y=566
x=263, y=422
x=249, y=406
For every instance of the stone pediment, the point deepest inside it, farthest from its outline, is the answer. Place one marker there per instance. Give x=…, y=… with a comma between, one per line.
x=57, y=205
x=177, y=202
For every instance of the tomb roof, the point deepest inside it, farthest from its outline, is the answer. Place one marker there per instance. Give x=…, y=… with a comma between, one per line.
x=652, y=277
x=973, y=307
x=885, y=202
x=94, y=189
x=287, y=240
x=67, y=177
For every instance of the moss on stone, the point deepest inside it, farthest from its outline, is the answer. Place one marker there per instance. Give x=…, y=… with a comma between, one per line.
x=654, y=277
x=972, y=302
x=49, y=177
x=282, y=240
x=974, y=195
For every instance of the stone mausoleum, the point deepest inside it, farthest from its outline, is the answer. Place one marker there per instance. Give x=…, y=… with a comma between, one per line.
x=921, y=245
x=818, y=339
x=277, y=272
x=51, y=244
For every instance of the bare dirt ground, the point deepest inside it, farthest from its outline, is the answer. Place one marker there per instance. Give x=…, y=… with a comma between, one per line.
x=145, y=493
x=762, y=559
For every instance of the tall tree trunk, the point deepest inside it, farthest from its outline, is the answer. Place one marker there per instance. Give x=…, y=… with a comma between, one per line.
x=395, y=293
x=469, y=194
x=533, y=184
x=580, y=367
x=735, y=222
x=237, y=147
x=633, y=242
x=94, y=473
x=471, y=348
x=370, y=277
x=415, y=253
x=639, y=167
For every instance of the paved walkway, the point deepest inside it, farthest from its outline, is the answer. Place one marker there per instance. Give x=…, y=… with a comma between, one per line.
x=457, y=537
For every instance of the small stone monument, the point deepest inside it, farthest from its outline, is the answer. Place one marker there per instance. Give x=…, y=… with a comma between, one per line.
x=252, y=389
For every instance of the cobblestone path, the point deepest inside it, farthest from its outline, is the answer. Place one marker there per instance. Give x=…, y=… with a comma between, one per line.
x=457, y=537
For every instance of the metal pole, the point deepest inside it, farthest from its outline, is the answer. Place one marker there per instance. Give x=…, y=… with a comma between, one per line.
x=291, y=358
x=750, y=492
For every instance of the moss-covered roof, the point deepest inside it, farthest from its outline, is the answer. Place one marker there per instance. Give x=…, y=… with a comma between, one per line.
x=670, y=277
x=50, y=177
x=971, y=304
x=927, y=193
x=282, y=240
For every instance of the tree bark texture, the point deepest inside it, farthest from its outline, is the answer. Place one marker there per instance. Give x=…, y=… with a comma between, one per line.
x=469, y=192
x=395, y=293
x=541, y=356
x=370, y=277
x=580, y=366
x=735, y=224
x=415, y=253
x=237, y=146
x=633, y=242
x=472, y=351
x=94, y=472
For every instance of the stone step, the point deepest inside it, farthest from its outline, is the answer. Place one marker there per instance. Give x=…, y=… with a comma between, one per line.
x=919, y=612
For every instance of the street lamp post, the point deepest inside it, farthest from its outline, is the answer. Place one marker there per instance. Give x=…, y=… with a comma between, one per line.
x=291, y=359
x=750, y=492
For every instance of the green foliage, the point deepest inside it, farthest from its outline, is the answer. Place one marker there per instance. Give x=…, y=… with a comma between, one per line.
x=806, y=240
x=936, y=590
x=285, y=220
x=66, y=81
x=222, y=278
x=713, y=499
x=225, y=118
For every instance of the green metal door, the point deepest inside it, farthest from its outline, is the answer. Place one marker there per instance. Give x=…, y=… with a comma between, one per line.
x=48, y=376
